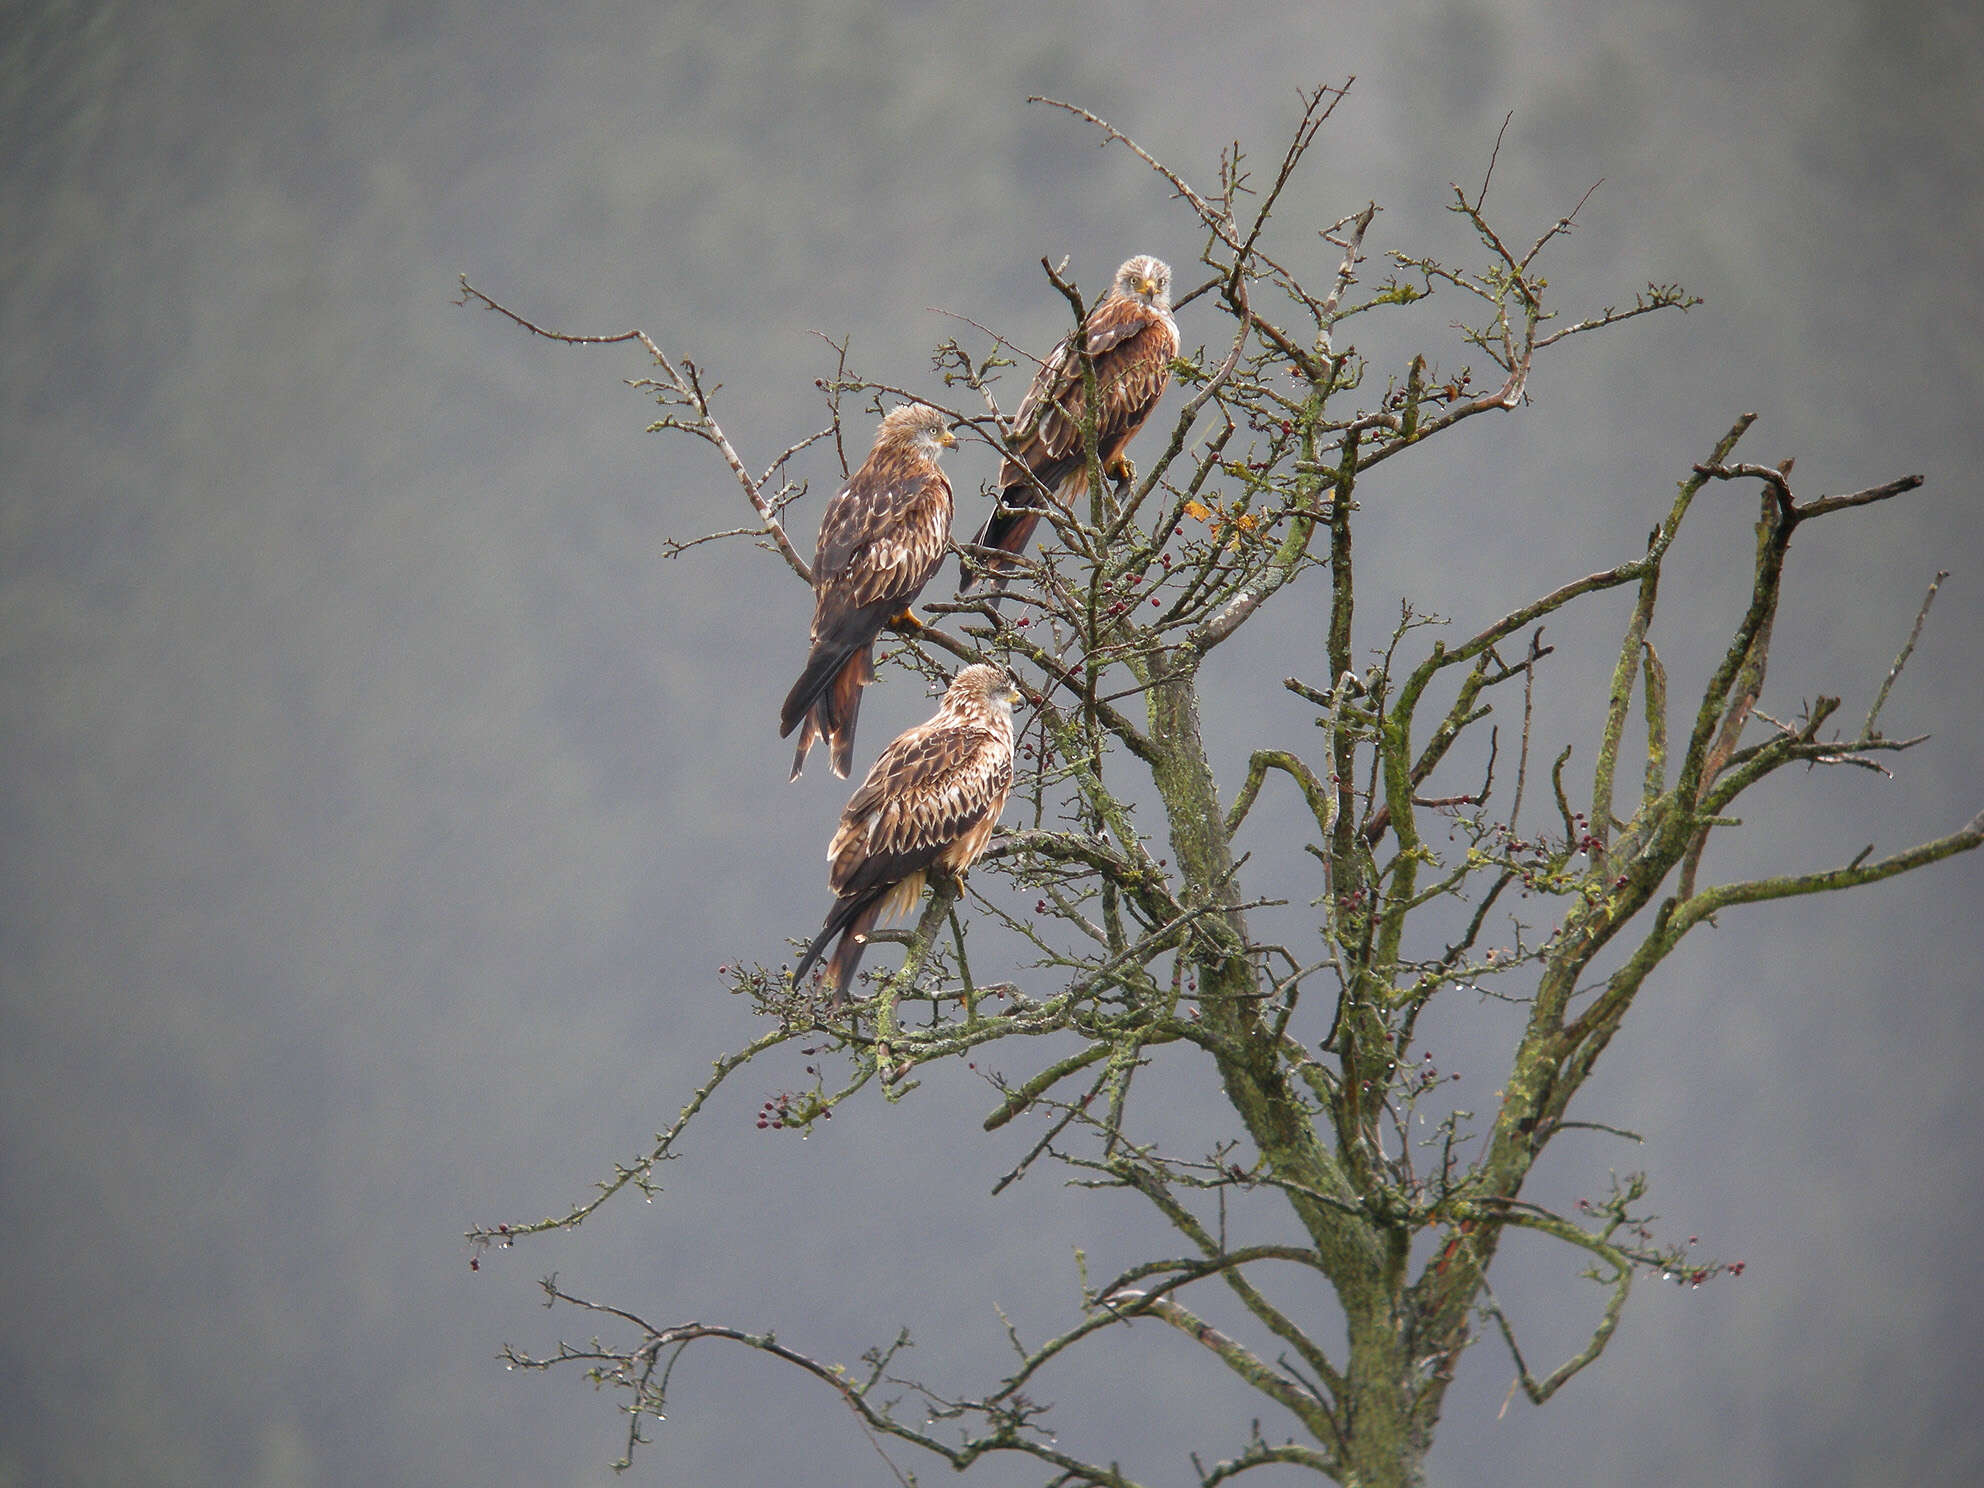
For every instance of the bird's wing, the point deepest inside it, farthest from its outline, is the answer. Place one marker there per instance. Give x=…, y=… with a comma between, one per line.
x=935, y=785
x=1131, y=346
x=881, y=539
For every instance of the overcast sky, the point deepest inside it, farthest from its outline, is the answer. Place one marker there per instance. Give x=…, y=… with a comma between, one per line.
x=377, y=802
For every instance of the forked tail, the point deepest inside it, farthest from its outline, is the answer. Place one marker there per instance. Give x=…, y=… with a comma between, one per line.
x=850, y=919
x=824, y=704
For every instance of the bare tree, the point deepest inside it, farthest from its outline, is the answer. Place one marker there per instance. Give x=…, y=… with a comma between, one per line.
x=1138, y=942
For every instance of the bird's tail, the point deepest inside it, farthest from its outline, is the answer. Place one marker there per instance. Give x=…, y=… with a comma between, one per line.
x=1010, y=527
x=850, y=919
x=853, y=918
x=825, y=702
x=1008, y=531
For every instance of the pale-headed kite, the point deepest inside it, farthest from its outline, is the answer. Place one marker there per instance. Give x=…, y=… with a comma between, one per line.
x=929, y=805
x=1131, y=339
x=881, y=539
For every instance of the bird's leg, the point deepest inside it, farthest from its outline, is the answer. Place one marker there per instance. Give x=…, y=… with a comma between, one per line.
x=1121, y=471
x=906, y=620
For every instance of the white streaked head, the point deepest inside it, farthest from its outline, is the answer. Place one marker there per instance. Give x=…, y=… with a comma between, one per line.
x=919, y=426
x=1147, y=279
x=982, y=687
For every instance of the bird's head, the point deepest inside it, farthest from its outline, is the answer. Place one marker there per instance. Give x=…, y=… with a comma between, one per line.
x=982, y=686
x=1147, y=279
x=917, y=426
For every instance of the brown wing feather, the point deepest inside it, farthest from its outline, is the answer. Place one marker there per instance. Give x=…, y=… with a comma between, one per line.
x=1116, y=320
x=934, y=786
x=1130, y=345
x=877, y=529
x=1139, y=372
x=1051, y=407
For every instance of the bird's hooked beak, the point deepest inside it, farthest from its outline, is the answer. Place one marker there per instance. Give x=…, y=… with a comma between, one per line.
x=1146, y=286
x=947, y=439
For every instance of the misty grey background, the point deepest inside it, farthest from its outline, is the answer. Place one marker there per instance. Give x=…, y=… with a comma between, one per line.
x=377, y=803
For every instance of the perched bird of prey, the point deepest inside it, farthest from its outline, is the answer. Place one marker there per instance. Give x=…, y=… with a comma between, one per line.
x=930, y=804
x=881, y=539
x=1131, y=339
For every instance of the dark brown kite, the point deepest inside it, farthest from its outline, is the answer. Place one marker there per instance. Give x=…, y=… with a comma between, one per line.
x=1131, y=339
x=929, y=805
x=881, y=539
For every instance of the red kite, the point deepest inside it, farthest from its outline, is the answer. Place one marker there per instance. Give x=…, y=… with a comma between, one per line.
x=881, y=539
x=1131, y=339
x=930, y=804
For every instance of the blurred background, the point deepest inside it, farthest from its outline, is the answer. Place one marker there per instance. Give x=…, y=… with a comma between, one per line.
x=377, y=802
